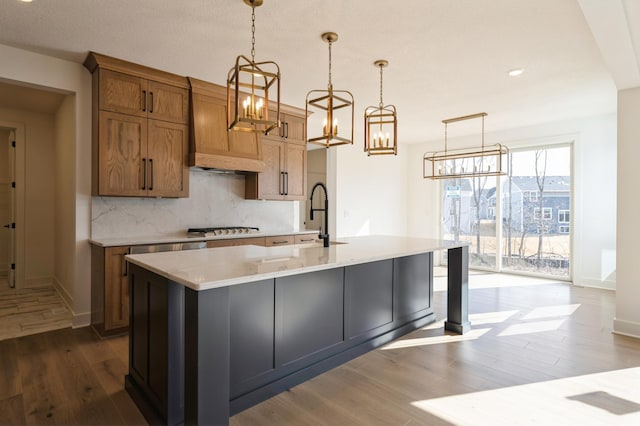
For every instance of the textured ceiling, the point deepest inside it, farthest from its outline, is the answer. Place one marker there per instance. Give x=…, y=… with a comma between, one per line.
x=447, y=58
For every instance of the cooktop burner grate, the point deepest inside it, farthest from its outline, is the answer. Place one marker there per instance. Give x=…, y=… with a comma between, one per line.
x=222, y=230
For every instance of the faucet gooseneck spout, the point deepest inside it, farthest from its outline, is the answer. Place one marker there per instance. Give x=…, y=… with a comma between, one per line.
x=325, y=235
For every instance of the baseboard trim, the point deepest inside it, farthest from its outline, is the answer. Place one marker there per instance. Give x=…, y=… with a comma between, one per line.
x=626, y=328
x=595, y=283
x=77, y=320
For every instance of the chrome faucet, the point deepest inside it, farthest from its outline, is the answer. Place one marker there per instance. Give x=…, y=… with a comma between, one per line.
x=325, y=236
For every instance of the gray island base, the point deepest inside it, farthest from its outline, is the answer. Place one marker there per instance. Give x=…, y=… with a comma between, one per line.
x=216, y=331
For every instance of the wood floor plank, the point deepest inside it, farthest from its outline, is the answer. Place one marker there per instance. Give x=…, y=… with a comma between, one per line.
x=44, y=399
x=89, y=402
x=10, y=383
x=12, y=411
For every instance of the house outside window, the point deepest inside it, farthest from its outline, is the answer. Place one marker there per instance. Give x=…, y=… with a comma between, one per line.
x=563, y=229
x=533, y=196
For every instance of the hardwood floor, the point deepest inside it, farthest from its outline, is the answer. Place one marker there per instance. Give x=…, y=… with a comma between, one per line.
x=538, y=352
x=31, y=310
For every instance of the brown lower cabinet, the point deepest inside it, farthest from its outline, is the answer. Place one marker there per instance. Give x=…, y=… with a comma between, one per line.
x=256, y=241
x=109, y=290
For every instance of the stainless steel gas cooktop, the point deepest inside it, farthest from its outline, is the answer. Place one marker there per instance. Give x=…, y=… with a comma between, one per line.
x=221, y=230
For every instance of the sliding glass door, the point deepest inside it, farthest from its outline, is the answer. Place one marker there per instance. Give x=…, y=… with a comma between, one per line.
x=525, y=216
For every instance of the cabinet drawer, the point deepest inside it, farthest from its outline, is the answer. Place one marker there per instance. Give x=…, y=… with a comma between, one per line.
x=306, y=239
x=281, y=240
x=256, y=241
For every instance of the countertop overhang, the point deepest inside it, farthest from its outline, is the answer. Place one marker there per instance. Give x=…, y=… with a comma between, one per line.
x=224, y=266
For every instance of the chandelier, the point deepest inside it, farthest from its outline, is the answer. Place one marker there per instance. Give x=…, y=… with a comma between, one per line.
x=336, y=107
x=466, y=162
x=380, y=124
x=250, y=86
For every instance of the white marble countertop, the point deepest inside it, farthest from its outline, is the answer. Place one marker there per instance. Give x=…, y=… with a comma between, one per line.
x=183, y=238
x=218, y=267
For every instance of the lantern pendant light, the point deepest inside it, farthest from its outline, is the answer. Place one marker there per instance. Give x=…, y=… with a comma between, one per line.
x=380, y=124
x=334, y=106
x=253, y=89
x=462, y=163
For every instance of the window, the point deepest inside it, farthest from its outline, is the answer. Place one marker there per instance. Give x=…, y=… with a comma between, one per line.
x=491, y=212
x=546, y=213
x=563, y=217
x=533, y=195
x=563, y=229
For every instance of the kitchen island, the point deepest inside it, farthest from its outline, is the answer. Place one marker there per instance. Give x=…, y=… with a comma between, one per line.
x=215, y=331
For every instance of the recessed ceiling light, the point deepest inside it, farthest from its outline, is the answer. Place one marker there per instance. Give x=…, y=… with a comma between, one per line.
x=26, y=1
x=516, y=72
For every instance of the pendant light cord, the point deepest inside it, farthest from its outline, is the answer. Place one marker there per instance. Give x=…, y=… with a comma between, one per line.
x=381, y=104
x=330, y=43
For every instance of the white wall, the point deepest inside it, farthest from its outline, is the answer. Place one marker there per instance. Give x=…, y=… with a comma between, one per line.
x=67, y=77
x=36, y=220
x=215, y=199
x=594, y=179
x=370, y=192
x=65, y=214
x=627, y=320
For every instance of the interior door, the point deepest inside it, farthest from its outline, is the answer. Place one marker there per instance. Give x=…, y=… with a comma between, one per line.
x=7, y=208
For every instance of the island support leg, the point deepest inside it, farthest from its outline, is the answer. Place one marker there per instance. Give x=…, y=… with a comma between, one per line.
x=206, y=399
x=458, y=290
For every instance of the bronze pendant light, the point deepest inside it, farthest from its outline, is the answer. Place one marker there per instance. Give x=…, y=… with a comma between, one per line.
x=334, y=106
x=380, y=124
x=250, y=89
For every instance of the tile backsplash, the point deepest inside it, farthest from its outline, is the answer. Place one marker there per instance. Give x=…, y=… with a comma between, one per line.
x=215, y=199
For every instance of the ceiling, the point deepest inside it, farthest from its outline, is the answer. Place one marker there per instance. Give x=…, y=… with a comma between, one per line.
x=447, y=58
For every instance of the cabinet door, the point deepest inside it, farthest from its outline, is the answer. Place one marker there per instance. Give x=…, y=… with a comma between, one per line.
x=296, y=172
x=122, y=93
x=168, y=103
x=122, y=155
x=270, y=182
x=168, y=150
x=116, y=289
x=256, y=241
x=294, y=129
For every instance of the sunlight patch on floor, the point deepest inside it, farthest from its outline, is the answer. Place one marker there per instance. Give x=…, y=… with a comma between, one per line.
x=551, y=311
x=531, y=327
x=434, y=340
x=608, y=398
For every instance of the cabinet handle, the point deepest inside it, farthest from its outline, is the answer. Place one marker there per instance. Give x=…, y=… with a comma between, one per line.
x=279, y=242
x=281, y=188
x=286, y=191
x=286, y=130
x=124, y=267
x=151, y=167
x=144, y=100
x=151, y=106
x=144, y=173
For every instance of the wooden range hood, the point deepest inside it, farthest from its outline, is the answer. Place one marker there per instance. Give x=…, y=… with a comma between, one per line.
x=212, y=146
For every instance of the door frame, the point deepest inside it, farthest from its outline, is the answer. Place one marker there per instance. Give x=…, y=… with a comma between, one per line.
x=19, y=259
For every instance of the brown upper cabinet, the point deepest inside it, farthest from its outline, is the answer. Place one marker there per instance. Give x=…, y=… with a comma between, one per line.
x=212, y=145
x=140, y=130
x=284, y=152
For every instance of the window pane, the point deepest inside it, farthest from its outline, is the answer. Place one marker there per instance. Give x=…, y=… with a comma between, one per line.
x=469, y=214
x=536, y=200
